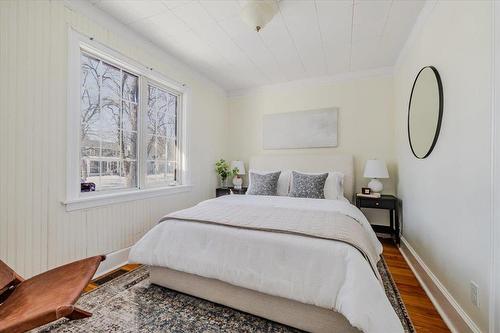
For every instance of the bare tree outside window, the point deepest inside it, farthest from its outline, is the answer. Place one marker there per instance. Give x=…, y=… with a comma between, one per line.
x=161, y=134
x=127, y=142
x=109, y=106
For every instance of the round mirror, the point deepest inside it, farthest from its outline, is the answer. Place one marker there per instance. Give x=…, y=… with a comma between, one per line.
x=425, y=112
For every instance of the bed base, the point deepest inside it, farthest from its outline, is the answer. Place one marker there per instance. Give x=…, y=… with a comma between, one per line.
x=292, y=313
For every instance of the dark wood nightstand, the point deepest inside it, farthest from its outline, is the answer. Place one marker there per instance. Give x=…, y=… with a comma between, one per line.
x=389, y=202
x=229, y=190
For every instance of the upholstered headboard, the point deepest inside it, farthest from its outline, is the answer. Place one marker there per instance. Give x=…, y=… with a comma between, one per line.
x=310, y=163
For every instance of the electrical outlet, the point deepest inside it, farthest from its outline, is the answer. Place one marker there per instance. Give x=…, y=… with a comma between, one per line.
x=474, y=293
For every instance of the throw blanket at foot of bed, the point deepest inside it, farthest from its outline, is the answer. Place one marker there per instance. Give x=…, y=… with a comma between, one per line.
x=313, y=251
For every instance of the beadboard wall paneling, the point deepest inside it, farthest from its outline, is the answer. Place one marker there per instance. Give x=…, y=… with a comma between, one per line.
x=36, y=232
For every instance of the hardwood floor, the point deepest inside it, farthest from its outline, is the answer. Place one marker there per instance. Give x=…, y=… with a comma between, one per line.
x=424, y=316
x=110, y=276
x=422, y=312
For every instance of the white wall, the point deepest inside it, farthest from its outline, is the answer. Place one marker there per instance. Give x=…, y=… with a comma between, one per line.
x=365, y=127
x=36, y=232
x=446, y=197
x=495, y=283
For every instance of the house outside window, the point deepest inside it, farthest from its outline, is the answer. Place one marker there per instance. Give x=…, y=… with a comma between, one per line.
x=126, y=124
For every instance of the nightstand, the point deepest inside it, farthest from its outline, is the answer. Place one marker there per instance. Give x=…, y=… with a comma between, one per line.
x=388, y=202
x=229, y=190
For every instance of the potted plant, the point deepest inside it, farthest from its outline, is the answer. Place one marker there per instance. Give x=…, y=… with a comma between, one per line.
x=222, y=169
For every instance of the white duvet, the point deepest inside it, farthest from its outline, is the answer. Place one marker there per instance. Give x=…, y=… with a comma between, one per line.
x=321, y=272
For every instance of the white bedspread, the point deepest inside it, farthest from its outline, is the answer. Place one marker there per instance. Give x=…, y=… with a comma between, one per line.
x=322, y=272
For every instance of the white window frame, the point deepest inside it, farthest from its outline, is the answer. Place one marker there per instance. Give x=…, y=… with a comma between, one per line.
x=74, y=198
x=146, y=81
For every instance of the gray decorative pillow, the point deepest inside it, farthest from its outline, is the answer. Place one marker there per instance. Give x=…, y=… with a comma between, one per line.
x=263, y=184
x=308, y=186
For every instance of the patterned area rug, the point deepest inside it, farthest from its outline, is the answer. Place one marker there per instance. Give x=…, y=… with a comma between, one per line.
x=129, y=303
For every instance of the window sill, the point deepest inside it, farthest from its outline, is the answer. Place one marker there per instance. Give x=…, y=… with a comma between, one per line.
x=114, y=198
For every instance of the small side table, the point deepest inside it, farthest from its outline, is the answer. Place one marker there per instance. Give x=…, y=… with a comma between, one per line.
x=229, y=190
x=389, y=202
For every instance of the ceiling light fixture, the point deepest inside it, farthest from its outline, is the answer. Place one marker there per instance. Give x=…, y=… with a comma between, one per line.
x=258, y=13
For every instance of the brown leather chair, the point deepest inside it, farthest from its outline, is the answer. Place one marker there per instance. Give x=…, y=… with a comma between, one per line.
x=31, y=303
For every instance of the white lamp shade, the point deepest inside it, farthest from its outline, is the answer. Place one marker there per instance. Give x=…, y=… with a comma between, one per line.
x=240, y=165
x=376, y=169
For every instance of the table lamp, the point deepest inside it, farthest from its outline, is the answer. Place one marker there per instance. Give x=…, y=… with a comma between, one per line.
x=375, y=169
x=237, y=180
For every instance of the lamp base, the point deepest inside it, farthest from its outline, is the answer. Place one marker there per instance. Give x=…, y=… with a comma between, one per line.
x=237, y=182
x=375, y=185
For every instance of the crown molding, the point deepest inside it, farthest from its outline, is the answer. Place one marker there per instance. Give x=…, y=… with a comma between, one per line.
x=323, y=80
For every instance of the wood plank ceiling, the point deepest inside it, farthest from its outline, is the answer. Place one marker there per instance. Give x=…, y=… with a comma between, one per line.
x=306, y=39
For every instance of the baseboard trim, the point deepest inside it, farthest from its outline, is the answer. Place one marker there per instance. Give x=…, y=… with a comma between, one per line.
x=113, y=261
x=452, y=313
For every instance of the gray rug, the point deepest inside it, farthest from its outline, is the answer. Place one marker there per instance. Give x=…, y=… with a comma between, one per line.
x=130, y=303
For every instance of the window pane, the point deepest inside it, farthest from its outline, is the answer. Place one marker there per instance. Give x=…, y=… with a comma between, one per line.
x=171, y=150
x=152, y=109
x=161, y=170
x=172, y=106
x=84, y=169
x=129, y=117
x=114, y=168
x=111, y=81
x=89, y=121
x=110, y=144
x=129, y=173
x=94, y=168
x=171, y=169
x=162, y=130
x=161, y=148
x=109, y=116
x=89, y=101
x=90, y=78
x=111, y=181
x=90, y=145
x=151, y=147
x=167, y=125
x=130, y=87
x=156, y=172
x=130, y=145
x=151, y=123
x=150, y=167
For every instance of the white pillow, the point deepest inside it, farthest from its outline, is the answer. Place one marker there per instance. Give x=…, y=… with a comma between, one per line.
x=283, y=181
x=334, y=185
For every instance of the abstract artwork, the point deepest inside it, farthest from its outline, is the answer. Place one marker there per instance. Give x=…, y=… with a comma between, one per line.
x=300, y=129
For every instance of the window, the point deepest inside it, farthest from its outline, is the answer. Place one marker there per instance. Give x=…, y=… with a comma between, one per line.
x=130, y=129
x=161, y=134
x=108, y=126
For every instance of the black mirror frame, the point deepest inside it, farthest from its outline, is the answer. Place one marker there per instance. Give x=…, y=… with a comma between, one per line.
x=440, y=116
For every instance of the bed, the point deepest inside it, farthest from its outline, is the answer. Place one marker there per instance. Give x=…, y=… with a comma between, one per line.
x=306, y=263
